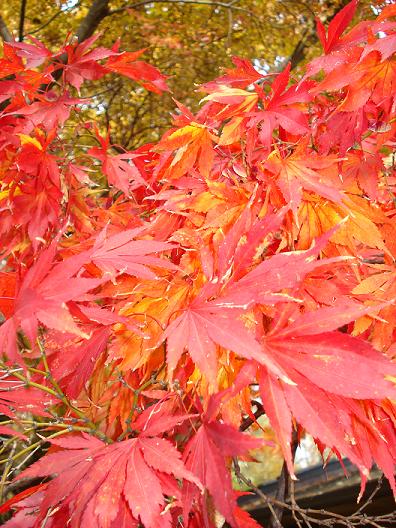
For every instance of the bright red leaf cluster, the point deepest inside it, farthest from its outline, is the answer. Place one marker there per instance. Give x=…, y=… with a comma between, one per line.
x=149, y=296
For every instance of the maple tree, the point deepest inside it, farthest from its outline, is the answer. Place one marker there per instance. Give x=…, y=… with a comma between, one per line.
x=189, y=40
x=156, y=301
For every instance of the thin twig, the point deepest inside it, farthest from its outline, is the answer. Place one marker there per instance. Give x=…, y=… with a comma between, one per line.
x=224, y=5
x=54, y=16
x=306, y=516
x=262, y=495
x=369, y=500
x=292, y=496
x=6, y=472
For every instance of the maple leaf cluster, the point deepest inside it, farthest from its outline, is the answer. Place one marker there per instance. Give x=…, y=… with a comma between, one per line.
x=150, y=297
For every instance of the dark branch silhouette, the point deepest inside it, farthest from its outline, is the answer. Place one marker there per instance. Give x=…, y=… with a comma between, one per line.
x=22, y=20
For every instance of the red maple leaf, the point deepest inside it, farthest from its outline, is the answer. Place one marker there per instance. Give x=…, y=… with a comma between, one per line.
x=241, y=76
x=120, y=253
x=205, y=324
x=311, y=344
x=49, y=111
x=281, y=108
x=15, y=398
x=201, y=328
x=110, y=486
x=119, y=169
x=34, y=54
x=206, y=457
x=303, y=171
x=148, y=76
x=306, y=349
x=42, y=297
x=336, y=27
x=82, y=63
x=73, y=363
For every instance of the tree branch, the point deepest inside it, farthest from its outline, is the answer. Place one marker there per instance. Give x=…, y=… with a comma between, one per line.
x=4, y=31
x=22, y=20
x=97, y=12
x=249, y=421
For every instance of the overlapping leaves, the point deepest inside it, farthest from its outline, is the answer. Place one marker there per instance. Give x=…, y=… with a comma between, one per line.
x=147, y=294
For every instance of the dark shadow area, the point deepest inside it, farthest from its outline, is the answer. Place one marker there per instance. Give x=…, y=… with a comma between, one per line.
x=330, y=490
